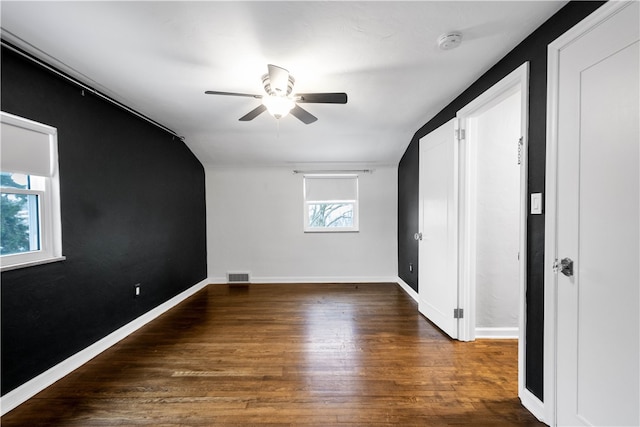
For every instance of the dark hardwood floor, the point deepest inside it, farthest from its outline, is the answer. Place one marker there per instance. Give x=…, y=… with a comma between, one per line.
x=288, y=355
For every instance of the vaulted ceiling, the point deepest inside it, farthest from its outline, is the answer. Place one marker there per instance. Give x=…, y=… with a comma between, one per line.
x=159, y=57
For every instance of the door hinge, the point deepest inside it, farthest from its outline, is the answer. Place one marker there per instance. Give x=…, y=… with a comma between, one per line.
x=458, y=313
x=556, y=266
x=460, y=134
x=520, y=145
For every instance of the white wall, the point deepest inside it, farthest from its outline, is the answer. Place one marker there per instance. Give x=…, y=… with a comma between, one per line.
x=255, y=224
x=496, y=133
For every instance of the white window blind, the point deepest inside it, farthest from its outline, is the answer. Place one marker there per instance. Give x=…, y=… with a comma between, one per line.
x=25, y=150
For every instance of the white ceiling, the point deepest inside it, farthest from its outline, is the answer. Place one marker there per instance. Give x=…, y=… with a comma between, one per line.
x=158, y=57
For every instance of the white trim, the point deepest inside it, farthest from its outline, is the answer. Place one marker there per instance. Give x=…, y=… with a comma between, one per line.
x=32, y=263
x=550, y=314
x=550, y=248
x=467, y=222
x=408, y=289
x=533, y=404
x=310, y=279
x=497, y=333
x=27, y=390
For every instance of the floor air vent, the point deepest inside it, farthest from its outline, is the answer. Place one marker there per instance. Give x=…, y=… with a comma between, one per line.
x=238, y=278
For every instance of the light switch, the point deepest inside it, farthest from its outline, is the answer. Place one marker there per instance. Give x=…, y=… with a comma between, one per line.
x=536, y=203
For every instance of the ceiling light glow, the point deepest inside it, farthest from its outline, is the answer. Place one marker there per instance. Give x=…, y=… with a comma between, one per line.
x=278, y=106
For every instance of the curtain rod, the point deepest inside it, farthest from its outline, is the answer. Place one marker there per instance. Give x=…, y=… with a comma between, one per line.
x=334, y=171
x=77, y=82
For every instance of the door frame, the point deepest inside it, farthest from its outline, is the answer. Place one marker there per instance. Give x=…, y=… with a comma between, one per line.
x=551, y=181
x=516, y=80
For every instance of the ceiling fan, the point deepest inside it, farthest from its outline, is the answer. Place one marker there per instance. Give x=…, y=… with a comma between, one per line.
x=279, y=100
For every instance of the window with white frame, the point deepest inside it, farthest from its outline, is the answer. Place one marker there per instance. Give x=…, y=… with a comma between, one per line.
x=31, y=231
x=330, y=203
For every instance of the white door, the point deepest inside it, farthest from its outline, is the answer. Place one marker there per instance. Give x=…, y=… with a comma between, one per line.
x=438, y=211
x=597, y=224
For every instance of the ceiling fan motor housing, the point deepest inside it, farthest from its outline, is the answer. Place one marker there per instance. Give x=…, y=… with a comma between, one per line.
x=266, y=82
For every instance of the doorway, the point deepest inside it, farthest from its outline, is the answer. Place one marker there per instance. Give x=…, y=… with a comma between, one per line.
x=491, y=132
x=493, y=213
x=493, y=136
x=464, y=241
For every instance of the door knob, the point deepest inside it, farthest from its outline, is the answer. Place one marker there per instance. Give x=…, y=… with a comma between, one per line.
x=566, y=267
x=417, y=236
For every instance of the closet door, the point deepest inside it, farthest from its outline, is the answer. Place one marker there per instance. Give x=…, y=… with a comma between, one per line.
x=597, y=222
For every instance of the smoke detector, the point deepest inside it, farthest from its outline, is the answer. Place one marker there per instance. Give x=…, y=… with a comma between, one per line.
x=451, y=40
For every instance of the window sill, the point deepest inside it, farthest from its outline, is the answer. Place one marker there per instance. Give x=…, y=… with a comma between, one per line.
x=32, y=263
x=327, y=230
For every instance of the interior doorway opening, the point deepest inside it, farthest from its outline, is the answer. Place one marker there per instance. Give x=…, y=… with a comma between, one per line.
x=493, y=138
x=473, y=212
x=493, y=216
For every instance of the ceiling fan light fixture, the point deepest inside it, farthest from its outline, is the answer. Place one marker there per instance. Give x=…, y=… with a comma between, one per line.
x=278, y=106
x=278, y=99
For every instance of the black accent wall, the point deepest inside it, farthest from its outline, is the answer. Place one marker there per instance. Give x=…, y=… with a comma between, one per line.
x=534, y=50
x=408, y=219
x=133, y=211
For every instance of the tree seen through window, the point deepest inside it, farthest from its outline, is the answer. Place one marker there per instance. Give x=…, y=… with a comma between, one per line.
x=16, y=210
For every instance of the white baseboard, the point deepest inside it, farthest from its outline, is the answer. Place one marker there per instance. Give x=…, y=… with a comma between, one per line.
x=533, y=404
x=498, y=333
x=408, y=289
x=312, y=279
x=373, y=280
x=27, y=390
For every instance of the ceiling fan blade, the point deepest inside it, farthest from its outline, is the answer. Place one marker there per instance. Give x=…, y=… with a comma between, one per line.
x=279, y=79
x=303, y=115
x=322, y=98
x=215, y=92
x=253, y=113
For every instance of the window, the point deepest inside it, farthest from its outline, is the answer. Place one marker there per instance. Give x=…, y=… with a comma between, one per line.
x=330, y=203
x=30, y=231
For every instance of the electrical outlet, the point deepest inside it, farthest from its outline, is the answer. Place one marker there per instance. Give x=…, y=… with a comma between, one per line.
x=136, y=288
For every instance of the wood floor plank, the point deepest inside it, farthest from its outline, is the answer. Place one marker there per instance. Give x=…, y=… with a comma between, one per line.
x=288, y=355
